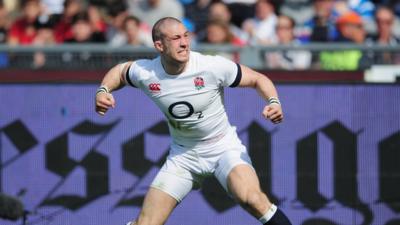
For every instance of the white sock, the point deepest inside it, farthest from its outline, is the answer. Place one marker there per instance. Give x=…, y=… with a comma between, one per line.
x=269, y=214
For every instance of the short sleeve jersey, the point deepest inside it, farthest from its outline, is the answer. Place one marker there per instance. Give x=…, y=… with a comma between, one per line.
x=191, y=101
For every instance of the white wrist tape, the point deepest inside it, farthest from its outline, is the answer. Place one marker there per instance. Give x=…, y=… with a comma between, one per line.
x=274, y=100
x=102, y=89
x=268, y=215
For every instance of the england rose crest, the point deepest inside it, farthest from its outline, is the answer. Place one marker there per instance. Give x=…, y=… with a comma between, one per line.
x=198, y=83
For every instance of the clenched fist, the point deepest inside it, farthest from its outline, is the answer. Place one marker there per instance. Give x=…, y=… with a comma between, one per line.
x=104, y=101
x=273, y=112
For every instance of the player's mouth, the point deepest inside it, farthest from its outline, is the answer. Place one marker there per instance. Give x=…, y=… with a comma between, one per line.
x=183, y=52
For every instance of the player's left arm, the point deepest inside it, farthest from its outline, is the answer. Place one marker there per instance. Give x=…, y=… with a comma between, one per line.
x=266, y=89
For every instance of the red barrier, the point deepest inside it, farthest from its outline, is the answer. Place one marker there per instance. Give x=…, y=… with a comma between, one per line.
x=90, y=76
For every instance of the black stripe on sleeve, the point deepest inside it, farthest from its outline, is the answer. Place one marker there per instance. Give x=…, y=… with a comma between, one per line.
x=127, y=76
x=238, y=76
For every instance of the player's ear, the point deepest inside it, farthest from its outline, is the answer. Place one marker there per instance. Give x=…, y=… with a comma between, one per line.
x=159, y=46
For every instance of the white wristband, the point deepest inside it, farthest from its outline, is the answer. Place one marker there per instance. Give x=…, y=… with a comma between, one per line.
x=102, y=89
x=269, y=214
x=274, y=100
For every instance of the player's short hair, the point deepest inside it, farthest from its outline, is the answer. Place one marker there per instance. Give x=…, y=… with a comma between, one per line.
x=156, y=33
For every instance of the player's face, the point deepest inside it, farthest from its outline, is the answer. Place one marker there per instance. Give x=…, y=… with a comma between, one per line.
x=176, y=43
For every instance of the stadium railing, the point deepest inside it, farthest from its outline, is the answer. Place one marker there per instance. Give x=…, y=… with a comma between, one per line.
x=325, y=57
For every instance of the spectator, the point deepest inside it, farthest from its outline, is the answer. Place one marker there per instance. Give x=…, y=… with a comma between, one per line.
x=303, y=9
x=384, y=18
x=89, y=19
x=292, y=59
x=134, y=35
x=115, y=34
x=220, y=11
x=44, y=33
x=22, y=31
x=241, y=10
x=393, y=4
x=350, y=26
x=125, y=29
x=12, y=5
x=364, y=8
x=96, y=21
x=197, y=13
x=53, y=7
x=83, y=31
x=322, y=27
x=63, y=29
x=217, y=32
x=4, y=23
x=261, y=28
x=149, y=11
x=44, y=37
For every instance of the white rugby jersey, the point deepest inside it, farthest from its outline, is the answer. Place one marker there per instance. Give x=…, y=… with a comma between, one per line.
x=191, y=101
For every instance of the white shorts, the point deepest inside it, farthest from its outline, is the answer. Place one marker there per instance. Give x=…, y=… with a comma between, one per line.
x=185, y=169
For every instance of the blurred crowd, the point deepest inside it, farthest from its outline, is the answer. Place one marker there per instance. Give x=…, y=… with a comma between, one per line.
x=234, y=22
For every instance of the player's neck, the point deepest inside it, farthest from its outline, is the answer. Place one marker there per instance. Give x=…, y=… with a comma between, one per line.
x=172, y=67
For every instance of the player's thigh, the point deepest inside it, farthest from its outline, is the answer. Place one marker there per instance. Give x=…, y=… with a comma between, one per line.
x=236, y=174
x=157, y=207
x=174, y=184
x=241, y=180
x=166, y=191
x=244, y=186
x=228, y=162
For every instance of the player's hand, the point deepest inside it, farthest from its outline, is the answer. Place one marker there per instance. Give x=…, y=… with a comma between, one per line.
x=104, y=101
x=273, y=112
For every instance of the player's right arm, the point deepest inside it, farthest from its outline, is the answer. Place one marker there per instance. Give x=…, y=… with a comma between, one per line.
x=113, y=80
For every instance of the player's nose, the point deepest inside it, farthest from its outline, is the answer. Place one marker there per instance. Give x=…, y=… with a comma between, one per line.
x=184, y=42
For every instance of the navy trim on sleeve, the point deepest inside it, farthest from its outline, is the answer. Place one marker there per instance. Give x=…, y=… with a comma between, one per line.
x=238, y=76
x=127, y=77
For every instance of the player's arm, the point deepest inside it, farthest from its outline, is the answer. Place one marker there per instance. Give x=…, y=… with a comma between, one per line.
x=266, y=89
x=113, y=80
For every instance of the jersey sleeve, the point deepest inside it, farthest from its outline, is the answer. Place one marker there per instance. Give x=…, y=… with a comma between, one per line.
x=130, y=75
x=227, y=72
